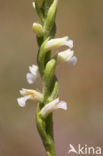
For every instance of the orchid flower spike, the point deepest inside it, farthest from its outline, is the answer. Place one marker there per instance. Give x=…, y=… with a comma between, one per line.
x=29, y=94
x=33, y=75
x=58, y=42
x=50, y=107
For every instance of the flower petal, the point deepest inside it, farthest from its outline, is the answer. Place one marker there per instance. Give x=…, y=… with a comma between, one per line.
x=22, y=100
x=34, y=95
x=62, y=105
x=73, y=60
x=30, y=78
x=69, y=43
x=55, y=43
x=34, y=69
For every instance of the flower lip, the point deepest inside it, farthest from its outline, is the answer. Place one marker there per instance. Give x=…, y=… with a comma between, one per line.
x=62, y=105
x=22, y=100
x=73, y=60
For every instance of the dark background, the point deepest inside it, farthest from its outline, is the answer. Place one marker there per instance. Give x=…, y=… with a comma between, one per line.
x=81, y=86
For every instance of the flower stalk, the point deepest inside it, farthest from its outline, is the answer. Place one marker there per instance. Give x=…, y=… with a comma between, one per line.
x=48, y=100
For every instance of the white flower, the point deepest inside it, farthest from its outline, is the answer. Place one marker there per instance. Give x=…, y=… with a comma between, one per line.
x=58, y=42
x=33, y=4
x=38, y=29
x=65, y=56
x=34, y=73
x=22, y=100
x=73, y=60
x=29, y=94
x=50, y=107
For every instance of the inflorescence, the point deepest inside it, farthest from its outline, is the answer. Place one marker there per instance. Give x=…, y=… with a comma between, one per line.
x=48, y=100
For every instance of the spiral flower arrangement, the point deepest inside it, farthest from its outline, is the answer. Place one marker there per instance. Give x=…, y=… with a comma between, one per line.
x=48, y=100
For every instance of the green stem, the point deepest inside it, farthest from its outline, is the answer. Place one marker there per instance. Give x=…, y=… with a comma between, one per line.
x=47, y=13
x=46, y=134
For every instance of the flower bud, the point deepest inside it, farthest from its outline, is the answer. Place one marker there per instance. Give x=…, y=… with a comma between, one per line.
x=38, y=29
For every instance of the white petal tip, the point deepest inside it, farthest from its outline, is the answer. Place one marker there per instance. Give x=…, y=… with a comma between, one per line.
x=69, y=43
x=30, y=78
x=73, y=60
x=33, y=4
x=34, y=23
x=34, y=70
x=62, y=105
x=21, y=102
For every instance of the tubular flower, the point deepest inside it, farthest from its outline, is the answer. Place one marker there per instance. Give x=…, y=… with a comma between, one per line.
x=67, y=56
x=50, y=107
x=34, y=73
x=29, y=94
x=58, y=42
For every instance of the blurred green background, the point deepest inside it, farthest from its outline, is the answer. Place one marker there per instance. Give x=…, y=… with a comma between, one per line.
x=81, y=86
